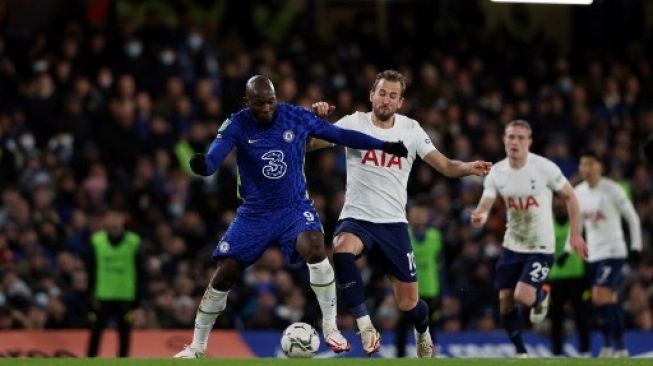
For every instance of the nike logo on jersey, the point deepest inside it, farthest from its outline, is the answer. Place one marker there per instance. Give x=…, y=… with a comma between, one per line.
x=412, y=274
x=252, y=141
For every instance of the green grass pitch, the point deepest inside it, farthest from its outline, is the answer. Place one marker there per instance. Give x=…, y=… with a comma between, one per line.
x=323, y=362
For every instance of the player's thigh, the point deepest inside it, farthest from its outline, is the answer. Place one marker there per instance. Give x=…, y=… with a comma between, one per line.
x=606, y=277
x=353, y=236
x=536, y=269
x=302, y=236
x=248, y=236
x=395, y=251
x=508, y=270
x=534, y=273
x=406, y=293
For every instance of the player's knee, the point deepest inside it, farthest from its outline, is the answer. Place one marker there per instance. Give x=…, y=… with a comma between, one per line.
x=506, y=300
x=525, y=298
x=310, y=246
x=226, y=276
x=313, y=252
x=601, y=297
x=407, y=303
x=347, y=243
x=315, y=256
x=222, y=283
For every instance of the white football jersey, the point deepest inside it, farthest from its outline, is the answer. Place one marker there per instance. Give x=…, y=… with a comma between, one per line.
x=601, y=209
x=376, y=181
x=527, y=193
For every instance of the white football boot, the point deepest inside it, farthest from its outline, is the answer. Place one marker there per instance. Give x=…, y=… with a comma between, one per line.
x=424, y=344
x=371, y=339
x=189, y=352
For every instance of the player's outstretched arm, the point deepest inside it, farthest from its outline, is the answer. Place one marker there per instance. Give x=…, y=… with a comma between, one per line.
x=480, y=213
x=206, y=165
x=576, y=241
x=357, y=140
x=454, y=168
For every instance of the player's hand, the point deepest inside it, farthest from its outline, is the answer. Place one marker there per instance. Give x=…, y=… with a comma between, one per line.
x=478, y=218
x=198, y=164
x=578, y=245
x=395, y=148
x=562, y=259
x=480, y=168
x=322, y=109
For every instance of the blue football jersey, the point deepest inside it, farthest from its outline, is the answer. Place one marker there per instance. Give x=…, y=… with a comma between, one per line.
x=271, y=158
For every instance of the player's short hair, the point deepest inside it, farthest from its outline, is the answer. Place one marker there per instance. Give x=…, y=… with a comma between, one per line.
x=391, y=75
x=591, y=154
x=519, y=123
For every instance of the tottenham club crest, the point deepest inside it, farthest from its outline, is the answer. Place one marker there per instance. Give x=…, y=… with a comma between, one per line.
x=288, y=136
x=223, y=246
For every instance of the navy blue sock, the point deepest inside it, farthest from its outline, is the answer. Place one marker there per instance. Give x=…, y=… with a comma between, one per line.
x=419, y=316
x=617, y=326
x=605, y=324
x=350, y=283
x=512, y=324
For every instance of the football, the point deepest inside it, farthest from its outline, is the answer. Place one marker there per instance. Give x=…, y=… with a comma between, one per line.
x=300, y=340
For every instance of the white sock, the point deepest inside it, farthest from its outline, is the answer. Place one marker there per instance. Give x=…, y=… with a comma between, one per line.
x=323, y=283
x=212, y=304
x=364, y=322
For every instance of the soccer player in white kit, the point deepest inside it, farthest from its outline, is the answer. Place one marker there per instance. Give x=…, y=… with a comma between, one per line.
x=526, y=183
x=373, y=218
x=602, y=205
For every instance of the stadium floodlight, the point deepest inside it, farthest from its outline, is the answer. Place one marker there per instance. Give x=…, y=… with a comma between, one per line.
x=553, y=2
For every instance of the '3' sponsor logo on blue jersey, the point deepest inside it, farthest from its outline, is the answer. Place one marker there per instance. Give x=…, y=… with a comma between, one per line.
x=276, y=167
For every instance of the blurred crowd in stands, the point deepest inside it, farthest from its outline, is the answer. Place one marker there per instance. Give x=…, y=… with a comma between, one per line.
x=102, y=104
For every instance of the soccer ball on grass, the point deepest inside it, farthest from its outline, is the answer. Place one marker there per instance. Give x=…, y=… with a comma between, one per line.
x=300, y=340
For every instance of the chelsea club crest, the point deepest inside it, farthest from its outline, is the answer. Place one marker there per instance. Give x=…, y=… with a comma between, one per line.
x=223, y=247
x=288, y=136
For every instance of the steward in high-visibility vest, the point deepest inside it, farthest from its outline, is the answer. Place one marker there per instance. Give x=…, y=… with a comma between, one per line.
x=115, y=275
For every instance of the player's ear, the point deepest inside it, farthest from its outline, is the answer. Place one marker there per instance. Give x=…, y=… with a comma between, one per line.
x=401, y=103
x=371, y=94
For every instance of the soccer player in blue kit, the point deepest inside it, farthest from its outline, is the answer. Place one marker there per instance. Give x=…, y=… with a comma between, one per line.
x=270, y=139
